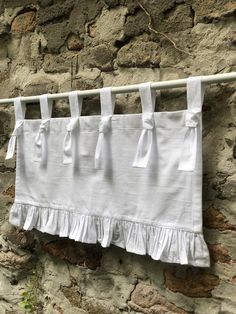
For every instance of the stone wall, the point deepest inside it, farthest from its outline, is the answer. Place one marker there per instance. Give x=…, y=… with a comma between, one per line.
x=52, y=46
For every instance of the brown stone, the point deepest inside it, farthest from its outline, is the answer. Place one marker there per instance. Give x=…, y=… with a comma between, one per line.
x=10, y=191
x=219, y=253
x=72, y=294
x=21, y=238
x=146, y=299
x=214, y=219
x=74, y=42
x=74, y=252
x=24, y=22
x=195, y=283
x=96, y=306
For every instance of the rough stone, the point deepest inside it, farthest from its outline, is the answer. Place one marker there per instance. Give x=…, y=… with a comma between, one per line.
x=5, y=124
x=83, y=14
x=136, y=24
x=45, y=3
x=177, y=18
x=4, y=27
x=24, y=22
x=48, y=13
x=72, y=294
x=55, y=34
x=40, y=85
x=139, y=53
x=74, y=252
x=214, y=219
x=169, y=16
x=109, y=26
x=60, y=63
x=234, y=152
x=11, y=260
x=10, y=191
x=192, y=283
x=90, y=44
x=88, y=79
x=146, y=299
x=21, y=238
x=74, y=42
x=19, y=3
x=101, y=57
x=219, y=253
x=95, y=306
x=210, y=10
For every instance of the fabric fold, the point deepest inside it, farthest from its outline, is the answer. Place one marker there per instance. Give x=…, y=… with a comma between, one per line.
x=189, y=148
x=104, y=127
x=145, y=142
x=195, y=95
x=12, y=143
x=170, y=245
x=67, y=144
x=41, y=142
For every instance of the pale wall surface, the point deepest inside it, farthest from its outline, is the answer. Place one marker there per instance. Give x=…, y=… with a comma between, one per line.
x=52, y=46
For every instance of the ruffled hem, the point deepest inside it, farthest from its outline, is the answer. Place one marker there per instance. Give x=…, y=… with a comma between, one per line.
x=161, y=243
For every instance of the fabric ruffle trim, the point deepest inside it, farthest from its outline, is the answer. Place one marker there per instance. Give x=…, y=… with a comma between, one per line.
x=161, y=243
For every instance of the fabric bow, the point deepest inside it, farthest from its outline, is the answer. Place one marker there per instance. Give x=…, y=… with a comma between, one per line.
x=104, y=127
x=189, y=149
x=67, y=145
x=12, y=143
x=40, y=142
x=145, y=141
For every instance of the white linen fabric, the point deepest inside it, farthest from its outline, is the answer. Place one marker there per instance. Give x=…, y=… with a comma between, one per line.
x=132, y=180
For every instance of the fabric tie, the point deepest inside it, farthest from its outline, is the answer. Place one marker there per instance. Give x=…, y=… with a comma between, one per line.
x=104, y=127
x=12, y=143
x=189, y=148
x=40, y=142
x=195, y=95
x=67, y=145
x=145, y=141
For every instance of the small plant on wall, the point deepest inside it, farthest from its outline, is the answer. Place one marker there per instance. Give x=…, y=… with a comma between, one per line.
x=29, y=297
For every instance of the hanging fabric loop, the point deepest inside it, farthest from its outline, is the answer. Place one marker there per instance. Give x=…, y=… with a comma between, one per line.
x=12, y=143
x=20, y=109
x=75, y=110
x=107, y=109
x=148, y=98
x=41, y=137
x=195, y=95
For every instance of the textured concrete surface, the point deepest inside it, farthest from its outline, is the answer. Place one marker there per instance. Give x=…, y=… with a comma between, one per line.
x=53, y=46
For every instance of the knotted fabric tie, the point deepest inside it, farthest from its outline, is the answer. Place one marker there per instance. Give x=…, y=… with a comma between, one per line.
x=67, y=145
x=189, y=148
x=41, y=142
x=12, y=143
x=145, y=141
x=104, y=127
